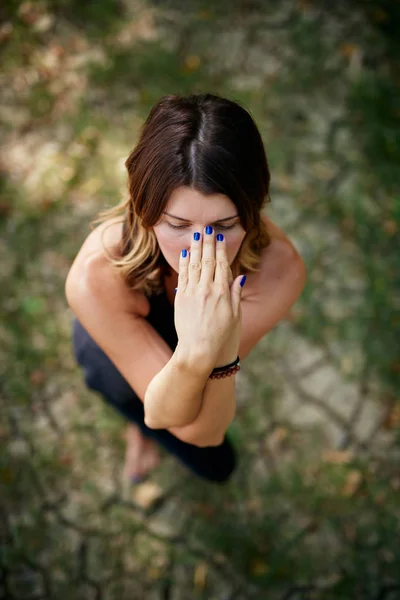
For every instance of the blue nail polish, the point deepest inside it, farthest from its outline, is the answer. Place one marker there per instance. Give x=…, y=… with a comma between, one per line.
x=243, y=281
x=208, y=229
x=196, y=236
x=184, y=253
x=220, y=237
x=175, y=290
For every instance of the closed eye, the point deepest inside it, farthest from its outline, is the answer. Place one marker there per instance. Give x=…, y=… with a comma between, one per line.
x=217, y=227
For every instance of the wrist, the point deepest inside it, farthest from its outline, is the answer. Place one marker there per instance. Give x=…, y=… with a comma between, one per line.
x=192, y=362
x=226, y=358
x=224, y=362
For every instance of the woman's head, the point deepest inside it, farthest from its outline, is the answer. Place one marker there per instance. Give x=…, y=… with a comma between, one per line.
x=201, y=158
x=188, y=211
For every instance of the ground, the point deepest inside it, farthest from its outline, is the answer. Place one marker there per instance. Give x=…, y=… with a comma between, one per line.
x=312, y=510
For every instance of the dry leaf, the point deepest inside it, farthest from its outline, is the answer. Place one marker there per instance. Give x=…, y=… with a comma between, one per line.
x=278, y=435
x=191, y=63
x=395, y=483
x=352, y=483
x=390, y=227
x=37, y=377
x=392, y=419
x=200, y=575
x=65, y=459
x=146, y=493
x=337, y=457
x=5, y=31
x=347, y=49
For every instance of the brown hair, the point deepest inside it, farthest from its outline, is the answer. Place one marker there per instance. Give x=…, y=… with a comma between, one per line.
x=202, y=141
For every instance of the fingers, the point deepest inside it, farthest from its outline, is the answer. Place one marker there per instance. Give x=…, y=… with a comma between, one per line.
x=195, y=259
x=223, y=274
x=183, y=275
x=208, y=256
x=206, y=262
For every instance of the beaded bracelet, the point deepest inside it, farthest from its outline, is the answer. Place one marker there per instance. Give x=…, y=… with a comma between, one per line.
x=226, y=371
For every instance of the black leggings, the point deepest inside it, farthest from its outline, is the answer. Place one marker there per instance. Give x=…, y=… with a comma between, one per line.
x=215, y=463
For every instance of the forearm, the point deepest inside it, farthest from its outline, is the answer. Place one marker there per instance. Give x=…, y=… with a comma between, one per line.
x=217, y=411
x=174, y=396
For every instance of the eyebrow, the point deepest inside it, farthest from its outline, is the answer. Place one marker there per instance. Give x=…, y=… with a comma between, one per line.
x=187, y=221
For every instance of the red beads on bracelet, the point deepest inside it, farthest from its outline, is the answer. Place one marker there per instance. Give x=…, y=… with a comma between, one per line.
x=227, y=373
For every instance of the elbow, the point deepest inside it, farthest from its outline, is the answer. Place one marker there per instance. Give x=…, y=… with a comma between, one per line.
x=151, y=423
x=195, y=438
x=207, y=442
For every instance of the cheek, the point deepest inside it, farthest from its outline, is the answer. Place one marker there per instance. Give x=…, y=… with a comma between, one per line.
x=170, y=243
x=171, y=247
x=233, y=243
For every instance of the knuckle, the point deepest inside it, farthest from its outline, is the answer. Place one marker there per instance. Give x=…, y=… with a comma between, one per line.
x=209, y=261
x=220, y=288
x=223, y=264
x=195, y=266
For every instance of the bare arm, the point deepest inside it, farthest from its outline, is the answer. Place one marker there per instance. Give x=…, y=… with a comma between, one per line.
x=174, y=395
x=217, y=412
x=99, y=299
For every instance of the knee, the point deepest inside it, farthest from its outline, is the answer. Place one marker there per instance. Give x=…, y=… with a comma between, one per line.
x=226, y=467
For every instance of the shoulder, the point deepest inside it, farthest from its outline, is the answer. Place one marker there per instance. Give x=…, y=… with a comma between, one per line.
x=270, y=292
x=281, y=257
x=93, y=275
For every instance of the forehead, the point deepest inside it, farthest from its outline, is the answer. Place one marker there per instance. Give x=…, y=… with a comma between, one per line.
x=190, y=204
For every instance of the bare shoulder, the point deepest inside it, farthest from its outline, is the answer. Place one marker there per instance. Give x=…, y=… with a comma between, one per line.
x=92, y=270
x=279, y=260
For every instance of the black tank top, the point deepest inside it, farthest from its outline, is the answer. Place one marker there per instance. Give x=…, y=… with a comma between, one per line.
x=161, y=314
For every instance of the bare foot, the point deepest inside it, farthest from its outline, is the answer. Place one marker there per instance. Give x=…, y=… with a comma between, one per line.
x=142, y=454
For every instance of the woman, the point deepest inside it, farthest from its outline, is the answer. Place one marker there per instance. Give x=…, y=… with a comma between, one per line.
x=192, y=225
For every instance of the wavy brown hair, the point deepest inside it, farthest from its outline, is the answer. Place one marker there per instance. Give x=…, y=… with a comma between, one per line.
x=204, y=142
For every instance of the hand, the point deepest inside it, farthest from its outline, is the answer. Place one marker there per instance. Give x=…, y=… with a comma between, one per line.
x=207, y=311
x=230, y=351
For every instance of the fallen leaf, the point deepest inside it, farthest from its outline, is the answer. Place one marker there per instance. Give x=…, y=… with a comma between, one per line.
x=200, y=575
x=37, y=377
x=390, y=227
x=392, y=419
x=352, y=483
x=395, y=483
x=337, y=457
x=146, y=493
x=278, y=435
x=191, y=63
x=347, y=49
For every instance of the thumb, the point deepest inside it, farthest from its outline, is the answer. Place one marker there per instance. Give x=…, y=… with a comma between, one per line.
x=236, y=292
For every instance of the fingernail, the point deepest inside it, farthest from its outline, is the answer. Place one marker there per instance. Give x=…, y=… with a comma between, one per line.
x=243, y=281
x=196, y=236
x=209, y=229
x=220, y=237
x=175, y=290
x=184, y=253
